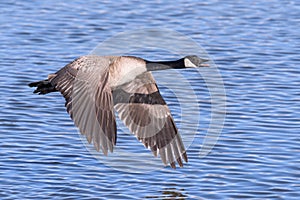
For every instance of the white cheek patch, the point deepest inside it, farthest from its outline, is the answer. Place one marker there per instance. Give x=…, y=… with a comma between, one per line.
x=188, y=63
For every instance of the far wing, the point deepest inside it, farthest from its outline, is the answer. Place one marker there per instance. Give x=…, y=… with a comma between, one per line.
x=88, y=101
x=143, y=110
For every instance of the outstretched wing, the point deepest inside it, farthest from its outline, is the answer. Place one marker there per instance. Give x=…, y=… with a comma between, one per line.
x=143, y=110
x=83, y=83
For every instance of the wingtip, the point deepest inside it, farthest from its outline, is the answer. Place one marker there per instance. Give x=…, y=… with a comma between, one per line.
x=184, y=155
x=179, y=161
x=173, y=165
x=105, y=151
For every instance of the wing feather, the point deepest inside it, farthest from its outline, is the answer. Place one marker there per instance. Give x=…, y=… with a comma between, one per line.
x=84, y=85
x=143, y=110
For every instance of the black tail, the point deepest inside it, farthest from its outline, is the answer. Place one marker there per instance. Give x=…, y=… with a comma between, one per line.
x=43, y=87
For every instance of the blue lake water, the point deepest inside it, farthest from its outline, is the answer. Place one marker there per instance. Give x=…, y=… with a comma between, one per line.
x=255, y=46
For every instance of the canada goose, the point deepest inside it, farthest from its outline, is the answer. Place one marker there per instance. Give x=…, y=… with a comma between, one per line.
x=94, y=86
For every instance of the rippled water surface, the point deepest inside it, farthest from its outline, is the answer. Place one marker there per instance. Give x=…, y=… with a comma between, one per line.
x=255, y=45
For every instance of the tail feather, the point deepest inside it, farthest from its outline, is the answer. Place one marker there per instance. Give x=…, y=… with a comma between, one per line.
x=43, y=87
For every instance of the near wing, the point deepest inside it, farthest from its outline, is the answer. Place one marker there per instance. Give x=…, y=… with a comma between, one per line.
x=143, y=110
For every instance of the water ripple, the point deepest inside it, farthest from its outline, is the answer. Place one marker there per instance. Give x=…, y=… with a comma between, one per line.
x=256, y=47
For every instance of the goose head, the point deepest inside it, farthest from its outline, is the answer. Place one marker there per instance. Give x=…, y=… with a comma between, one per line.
x=193, y=61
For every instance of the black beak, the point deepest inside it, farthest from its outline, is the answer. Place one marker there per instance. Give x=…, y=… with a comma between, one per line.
x=203, y=62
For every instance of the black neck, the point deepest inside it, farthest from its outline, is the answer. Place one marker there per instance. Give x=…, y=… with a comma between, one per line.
x=161, y=65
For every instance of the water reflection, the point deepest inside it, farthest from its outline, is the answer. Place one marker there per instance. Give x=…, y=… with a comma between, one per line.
x=169, y=193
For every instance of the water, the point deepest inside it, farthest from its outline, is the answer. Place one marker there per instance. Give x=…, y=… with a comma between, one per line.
x=255, y=46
